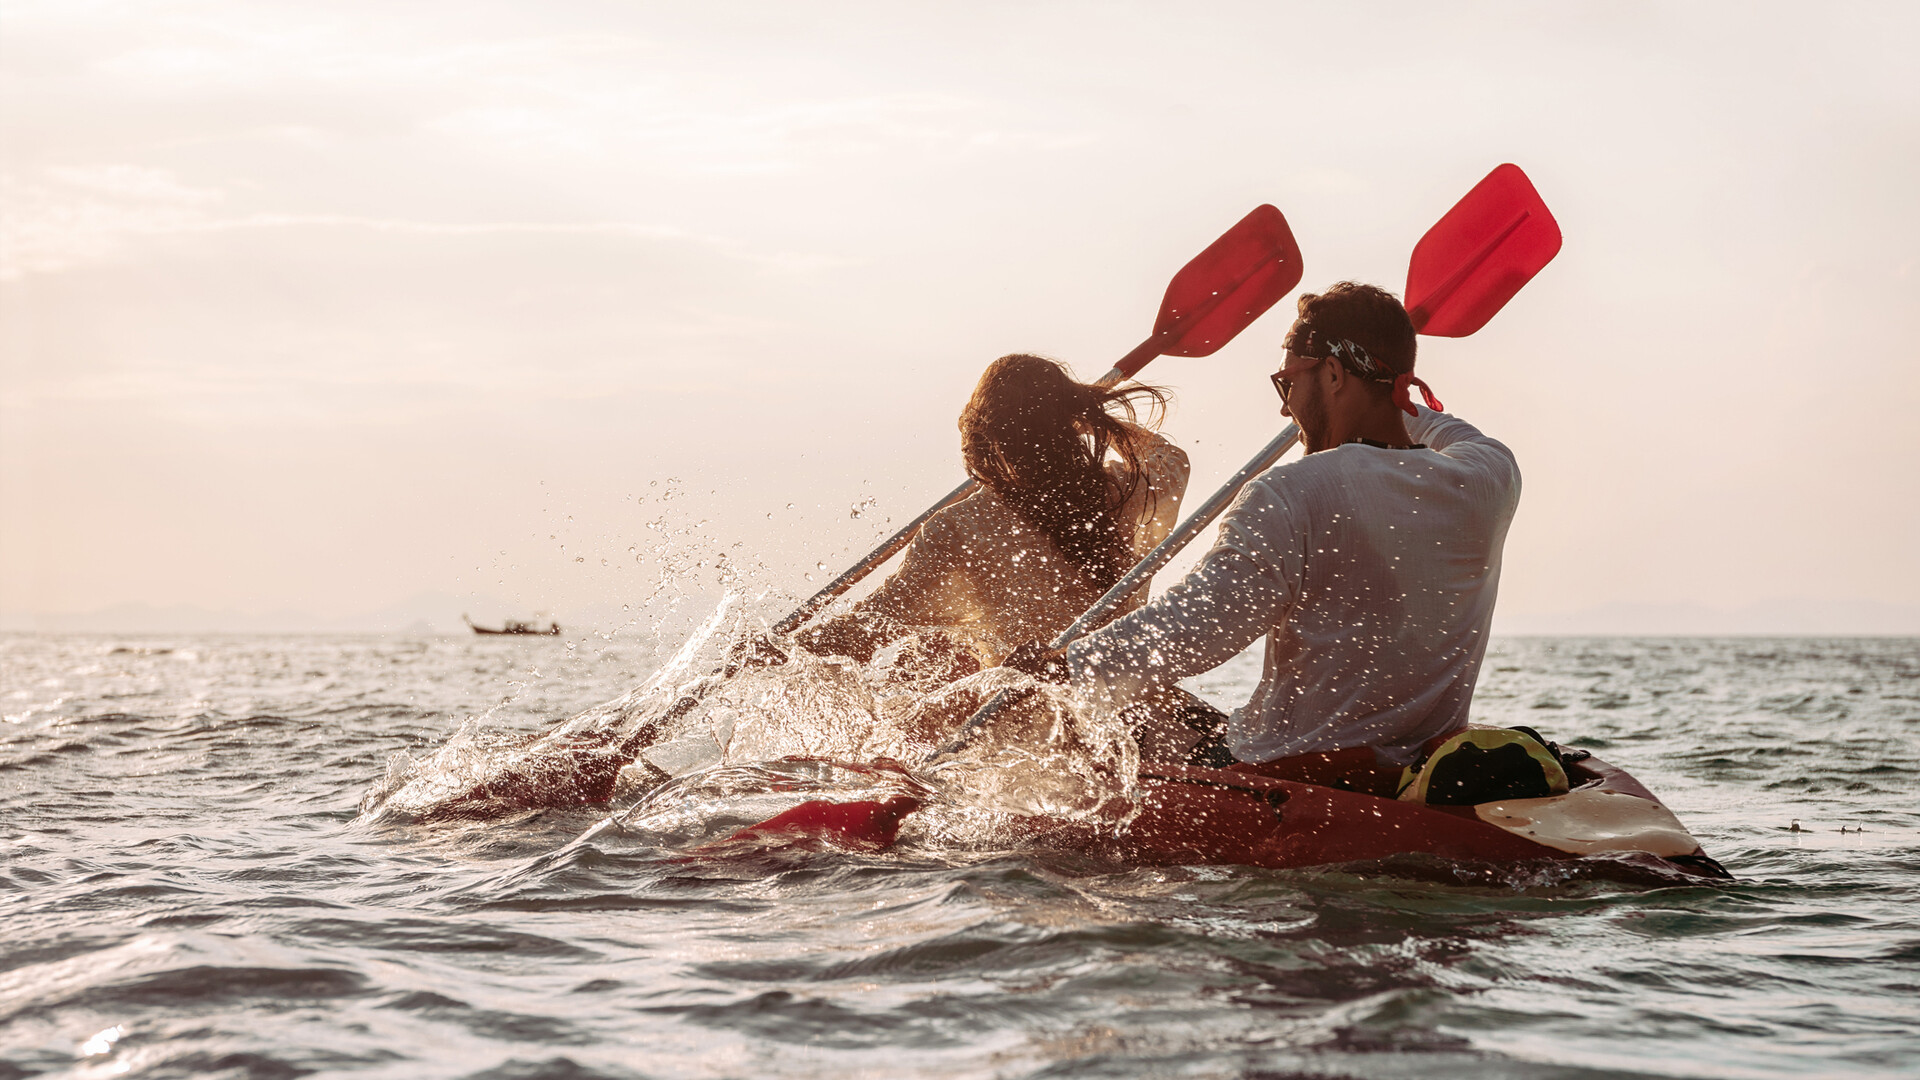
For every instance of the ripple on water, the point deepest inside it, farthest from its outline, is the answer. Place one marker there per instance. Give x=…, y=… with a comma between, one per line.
x=181, y=863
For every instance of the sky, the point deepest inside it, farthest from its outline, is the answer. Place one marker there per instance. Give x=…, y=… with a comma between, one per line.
x=318, y=306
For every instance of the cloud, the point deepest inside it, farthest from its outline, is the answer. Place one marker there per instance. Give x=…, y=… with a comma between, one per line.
x=677, y=128
x=80, y=214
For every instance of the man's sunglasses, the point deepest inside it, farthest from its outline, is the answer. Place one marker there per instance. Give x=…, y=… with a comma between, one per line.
x=1283, y=384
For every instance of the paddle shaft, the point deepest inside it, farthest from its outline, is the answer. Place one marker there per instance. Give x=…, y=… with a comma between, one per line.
x=1159, y=557
x=1213, y=297
x=867, y=565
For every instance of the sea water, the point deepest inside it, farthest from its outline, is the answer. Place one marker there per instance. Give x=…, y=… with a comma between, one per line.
x=188, y=888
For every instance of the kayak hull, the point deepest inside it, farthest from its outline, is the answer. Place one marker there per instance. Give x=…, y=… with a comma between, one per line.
x=1258, y=821
x=1196, y=816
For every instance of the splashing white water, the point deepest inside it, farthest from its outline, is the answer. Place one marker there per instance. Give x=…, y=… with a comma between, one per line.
x=1049, y=756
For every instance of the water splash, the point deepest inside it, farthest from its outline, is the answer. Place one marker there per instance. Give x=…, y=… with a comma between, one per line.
x=1051, y=756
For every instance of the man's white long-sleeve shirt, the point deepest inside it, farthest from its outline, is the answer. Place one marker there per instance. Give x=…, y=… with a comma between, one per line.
x=1372, y=574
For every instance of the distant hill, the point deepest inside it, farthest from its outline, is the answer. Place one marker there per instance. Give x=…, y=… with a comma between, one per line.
x=1796, y=617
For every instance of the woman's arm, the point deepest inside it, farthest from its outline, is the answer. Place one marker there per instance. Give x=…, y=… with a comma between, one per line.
x=930, y=588
x=854, y=634
x=1154, y=506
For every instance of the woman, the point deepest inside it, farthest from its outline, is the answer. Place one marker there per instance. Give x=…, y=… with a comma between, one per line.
x=1073, y=492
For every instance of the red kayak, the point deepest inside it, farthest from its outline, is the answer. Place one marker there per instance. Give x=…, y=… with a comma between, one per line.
x=1194, y=816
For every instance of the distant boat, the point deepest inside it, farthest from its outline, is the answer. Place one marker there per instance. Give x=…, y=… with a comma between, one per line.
x=515, y=626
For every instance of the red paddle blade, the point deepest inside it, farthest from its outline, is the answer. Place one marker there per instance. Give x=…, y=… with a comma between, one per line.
x=1473, y=260
x=1226, y=287
x=863, y=826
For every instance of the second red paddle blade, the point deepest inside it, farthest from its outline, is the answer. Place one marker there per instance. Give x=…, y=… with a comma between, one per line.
x=865, y=825
x=1476, y=257
x=1224, y=288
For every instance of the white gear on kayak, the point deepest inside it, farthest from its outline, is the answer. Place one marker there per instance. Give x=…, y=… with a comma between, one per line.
x=1591, y=821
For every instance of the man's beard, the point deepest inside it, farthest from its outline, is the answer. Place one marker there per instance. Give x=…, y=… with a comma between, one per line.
x=1312, y=418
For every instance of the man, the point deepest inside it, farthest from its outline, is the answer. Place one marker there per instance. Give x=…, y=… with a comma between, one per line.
x=1370, y=564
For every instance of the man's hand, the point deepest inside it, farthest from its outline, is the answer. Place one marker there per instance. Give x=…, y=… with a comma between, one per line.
x=1040, y=661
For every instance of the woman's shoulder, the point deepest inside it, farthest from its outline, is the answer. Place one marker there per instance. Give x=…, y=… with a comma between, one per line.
x=1160, y=459
x=1163, y=456
x=981, y=512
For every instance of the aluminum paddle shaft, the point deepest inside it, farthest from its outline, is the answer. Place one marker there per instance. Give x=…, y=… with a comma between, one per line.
x=873, y=560
x=1156, y=559
x=1214, y=297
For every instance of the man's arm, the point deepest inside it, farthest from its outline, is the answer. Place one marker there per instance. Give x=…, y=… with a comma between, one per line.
x=1463, y=442
x=1438, y=430
x=1238, y=593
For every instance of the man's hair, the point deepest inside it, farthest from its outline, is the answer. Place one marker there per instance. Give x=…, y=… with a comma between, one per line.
x=1367, y=315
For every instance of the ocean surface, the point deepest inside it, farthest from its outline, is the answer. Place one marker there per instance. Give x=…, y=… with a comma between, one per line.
x=188, y=888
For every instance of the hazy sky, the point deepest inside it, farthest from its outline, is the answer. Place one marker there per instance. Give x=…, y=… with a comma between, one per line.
x=321, y=305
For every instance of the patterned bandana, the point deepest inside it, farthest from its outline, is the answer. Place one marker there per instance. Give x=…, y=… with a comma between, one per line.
x=1361, y=365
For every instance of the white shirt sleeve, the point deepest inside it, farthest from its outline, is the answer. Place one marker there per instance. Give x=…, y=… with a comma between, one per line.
x=1438, y=430
x=1454, y=437
x=1240, y=590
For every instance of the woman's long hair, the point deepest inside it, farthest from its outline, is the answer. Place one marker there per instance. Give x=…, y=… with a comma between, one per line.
x=1036, y=438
